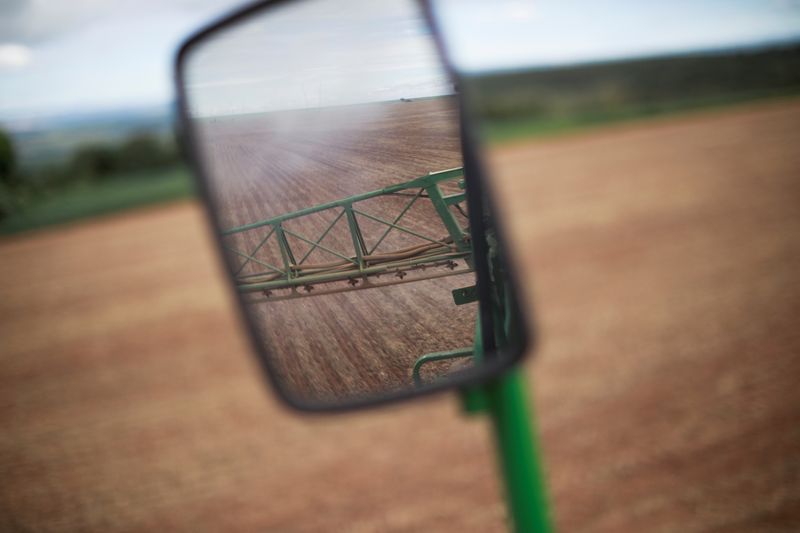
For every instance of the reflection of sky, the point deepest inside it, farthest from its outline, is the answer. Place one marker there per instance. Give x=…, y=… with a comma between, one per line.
x=80, y=55
x=317, y=53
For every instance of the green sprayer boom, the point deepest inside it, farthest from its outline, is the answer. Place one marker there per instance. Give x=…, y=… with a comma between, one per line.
x=359, y=265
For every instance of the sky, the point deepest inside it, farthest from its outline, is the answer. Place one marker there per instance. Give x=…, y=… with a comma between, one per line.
x=509, y=34
x=59, y=56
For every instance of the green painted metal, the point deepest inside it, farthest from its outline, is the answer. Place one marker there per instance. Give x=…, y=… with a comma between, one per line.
x=508, y=407
x=475, y=351
x=286, y=251
x=438, y=356
x=416, y=183
x=322, y=236
x=473, y=399
x=255, y=251
x=359, y=260
x=358, y=239
x=388, y=267
x=465, y=295
x=397, y=219
x=393, y=225
x=458, y=235
x=453, y=199
x=257, y=261
x=518, y=451
x=506, y=401
x=356, y=262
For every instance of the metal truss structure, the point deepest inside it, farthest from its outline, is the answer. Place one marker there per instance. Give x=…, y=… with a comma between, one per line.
x=361, y=265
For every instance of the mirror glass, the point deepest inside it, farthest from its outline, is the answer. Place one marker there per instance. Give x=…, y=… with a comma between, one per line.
x=328, y=132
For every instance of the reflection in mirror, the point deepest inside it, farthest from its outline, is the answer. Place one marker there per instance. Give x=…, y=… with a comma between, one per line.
x=329, y=134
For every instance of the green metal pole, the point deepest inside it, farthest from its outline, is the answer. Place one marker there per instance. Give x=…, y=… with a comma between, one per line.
x=506, y=400
x=519, y=453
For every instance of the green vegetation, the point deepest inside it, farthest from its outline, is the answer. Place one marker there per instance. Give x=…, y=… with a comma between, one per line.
x=89, y=199
x=499, y=131
x=8, y=160
x=557, y=100
x=97, y=178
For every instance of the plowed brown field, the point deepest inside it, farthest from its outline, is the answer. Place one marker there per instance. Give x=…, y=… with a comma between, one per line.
x=663, y=258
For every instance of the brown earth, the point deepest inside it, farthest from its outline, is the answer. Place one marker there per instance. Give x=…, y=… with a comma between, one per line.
x=663, y=259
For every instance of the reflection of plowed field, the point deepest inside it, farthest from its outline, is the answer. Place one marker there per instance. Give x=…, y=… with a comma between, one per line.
x=664, y=259
x=268, y=165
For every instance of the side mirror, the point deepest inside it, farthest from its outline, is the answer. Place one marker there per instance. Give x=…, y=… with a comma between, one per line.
x=334, y=154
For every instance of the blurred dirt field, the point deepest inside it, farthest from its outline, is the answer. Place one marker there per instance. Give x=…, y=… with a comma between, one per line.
x=664, y=262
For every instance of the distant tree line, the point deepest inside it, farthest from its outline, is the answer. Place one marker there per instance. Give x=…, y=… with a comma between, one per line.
x=650, y=84
x=137, y=154
x=8, y=174
x=95, y=162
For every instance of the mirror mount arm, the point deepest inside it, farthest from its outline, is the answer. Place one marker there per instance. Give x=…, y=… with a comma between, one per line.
x=505, y=400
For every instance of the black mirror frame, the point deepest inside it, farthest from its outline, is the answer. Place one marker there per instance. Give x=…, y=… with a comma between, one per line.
x=478, y=194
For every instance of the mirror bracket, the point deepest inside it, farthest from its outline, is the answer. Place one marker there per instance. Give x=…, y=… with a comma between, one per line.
x=473, y=400
x=465, y=295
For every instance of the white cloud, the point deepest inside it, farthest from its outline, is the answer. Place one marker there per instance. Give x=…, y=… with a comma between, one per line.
x=37, y=21
x=519, y=10
x=97, y=53
x=33, y=21
x=14, y=55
